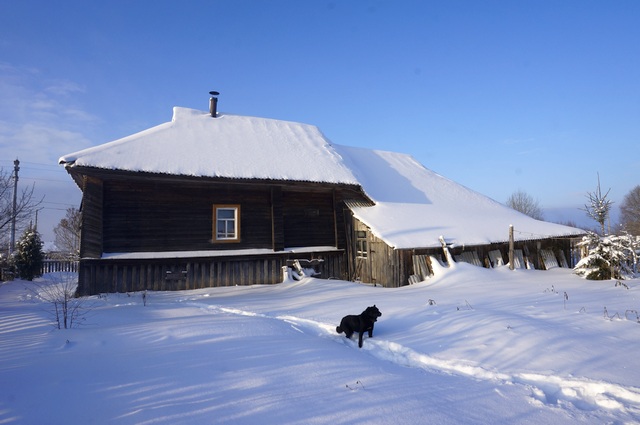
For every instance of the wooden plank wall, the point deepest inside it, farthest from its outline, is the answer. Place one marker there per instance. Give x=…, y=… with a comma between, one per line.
x=308, y=218
x=392, y=268
x=160, y=215
x=165, y=216
x=111, y=275
x=277, y=222
x=530, y=248
x=91, y=235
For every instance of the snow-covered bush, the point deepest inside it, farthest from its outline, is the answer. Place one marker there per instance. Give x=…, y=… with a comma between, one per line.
x=608, y=257
x=29, y=256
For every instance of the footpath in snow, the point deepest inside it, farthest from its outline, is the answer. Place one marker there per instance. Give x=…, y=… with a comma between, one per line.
x=472, y=346
x=585, y=394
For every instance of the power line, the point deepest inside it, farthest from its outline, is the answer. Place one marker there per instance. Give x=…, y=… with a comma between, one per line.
x=58, y=169
x=58, y=203
x=54, y=209
x=47, y=180
x=32, y=163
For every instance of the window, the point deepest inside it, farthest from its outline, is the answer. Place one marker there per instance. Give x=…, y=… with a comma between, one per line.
x=226, y=219
x=361, y=244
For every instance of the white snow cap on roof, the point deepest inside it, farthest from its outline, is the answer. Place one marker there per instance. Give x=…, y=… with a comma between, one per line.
x=414, y=206
x=196, y=144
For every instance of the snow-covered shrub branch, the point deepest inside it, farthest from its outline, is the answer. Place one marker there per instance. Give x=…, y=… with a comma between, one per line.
x=609, y=257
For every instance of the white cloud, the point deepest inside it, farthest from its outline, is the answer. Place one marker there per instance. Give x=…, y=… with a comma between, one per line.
x=41, y=118
x=64, y=88
x=39, y=143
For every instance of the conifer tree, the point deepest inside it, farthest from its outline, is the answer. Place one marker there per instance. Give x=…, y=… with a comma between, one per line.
x=29, y=256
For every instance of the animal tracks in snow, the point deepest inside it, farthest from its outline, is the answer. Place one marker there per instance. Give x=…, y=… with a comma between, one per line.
x=583, y=393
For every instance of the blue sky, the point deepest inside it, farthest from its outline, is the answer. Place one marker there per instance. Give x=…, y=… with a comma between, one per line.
x=499, y=96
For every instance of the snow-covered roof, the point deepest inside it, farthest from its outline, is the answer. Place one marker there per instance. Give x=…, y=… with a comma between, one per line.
x=195, y=144
x=413, y=205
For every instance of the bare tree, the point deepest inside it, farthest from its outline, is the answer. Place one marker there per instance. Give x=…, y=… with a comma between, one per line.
x=67, y=232
x=59, y=289
x=630, y=211
x=26, y=204
x=526, y=204
x=599, y=206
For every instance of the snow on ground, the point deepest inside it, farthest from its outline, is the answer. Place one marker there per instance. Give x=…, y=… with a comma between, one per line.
x=471, y=346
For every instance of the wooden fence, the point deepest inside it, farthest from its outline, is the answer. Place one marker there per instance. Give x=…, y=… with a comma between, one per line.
x=48, y=266
x=53, y=266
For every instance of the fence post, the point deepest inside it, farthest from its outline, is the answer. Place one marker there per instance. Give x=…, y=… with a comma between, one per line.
x=511, y=256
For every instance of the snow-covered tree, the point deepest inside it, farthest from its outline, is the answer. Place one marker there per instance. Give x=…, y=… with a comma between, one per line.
x=608, y=257
x=599, y=206
x=29, y=256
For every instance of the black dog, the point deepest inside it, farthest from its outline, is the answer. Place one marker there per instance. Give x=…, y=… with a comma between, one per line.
x=360, y=323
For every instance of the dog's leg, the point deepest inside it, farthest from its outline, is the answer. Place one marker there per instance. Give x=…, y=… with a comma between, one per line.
x=371, y=331
x=360, y=339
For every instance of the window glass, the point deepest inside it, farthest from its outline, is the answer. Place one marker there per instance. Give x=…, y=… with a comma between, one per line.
x=226, y=213
x=361, y=244
x=226, y=223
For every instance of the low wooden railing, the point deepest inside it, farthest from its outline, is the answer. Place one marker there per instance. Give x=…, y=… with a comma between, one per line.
x=53, y=266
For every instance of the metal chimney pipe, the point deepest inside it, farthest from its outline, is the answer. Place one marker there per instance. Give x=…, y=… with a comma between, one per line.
x=213, y=103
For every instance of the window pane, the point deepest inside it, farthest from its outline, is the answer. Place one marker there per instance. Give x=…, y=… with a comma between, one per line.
x=226, y=213
x=231, y=228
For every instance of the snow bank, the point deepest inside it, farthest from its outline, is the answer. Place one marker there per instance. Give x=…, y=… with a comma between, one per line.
x=471, y=346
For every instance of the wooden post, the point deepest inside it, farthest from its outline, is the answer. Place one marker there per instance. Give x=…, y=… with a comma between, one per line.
x=447, y=254
x=511, y=256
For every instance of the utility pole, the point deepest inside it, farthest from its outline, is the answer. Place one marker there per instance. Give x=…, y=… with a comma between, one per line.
x=16, y=168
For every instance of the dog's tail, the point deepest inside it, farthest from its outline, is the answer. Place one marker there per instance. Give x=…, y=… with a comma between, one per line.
x=338, y=329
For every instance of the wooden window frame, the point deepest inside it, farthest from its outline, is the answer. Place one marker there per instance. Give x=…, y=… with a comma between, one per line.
x=362, y=250
x=236, y=218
